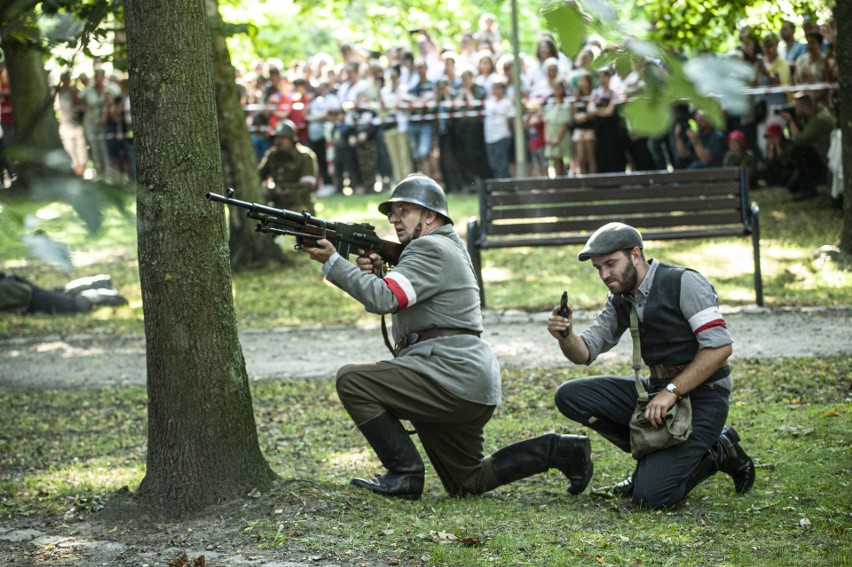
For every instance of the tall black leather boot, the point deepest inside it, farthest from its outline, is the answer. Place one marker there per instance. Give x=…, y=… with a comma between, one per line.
x=733, y=461
x=398, y=454
x=570, y=454
x=727, y=456
x=706, y=468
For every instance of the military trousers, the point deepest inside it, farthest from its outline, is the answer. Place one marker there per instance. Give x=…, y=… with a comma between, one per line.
x=605, y=404
x=450, y=428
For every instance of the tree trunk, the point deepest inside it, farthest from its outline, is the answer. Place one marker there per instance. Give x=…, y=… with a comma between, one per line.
x=844, y=61
x=249, y=248
x=36, y=138
x=202, y=438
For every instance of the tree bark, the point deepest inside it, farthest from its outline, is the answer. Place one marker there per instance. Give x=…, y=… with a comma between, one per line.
x=202, y=438
x=844, y=62
x=249, y=249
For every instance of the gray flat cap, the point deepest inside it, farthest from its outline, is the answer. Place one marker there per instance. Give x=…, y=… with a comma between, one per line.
x=609, y=238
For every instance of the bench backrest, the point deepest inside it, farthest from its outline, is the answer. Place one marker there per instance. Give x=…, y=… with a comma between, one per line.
x=662, y=205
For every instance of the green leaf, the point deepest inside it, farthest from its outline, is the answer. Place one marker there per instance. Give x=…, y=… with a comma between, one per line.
x=648, y=115
x=42, y=247
x=723, y=78
x=568, y=21
x=89, y=198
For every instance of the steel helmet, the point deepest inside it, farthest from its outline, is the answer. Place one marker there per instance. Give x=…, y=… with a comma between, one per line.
x=285, y=128
x=420, y=190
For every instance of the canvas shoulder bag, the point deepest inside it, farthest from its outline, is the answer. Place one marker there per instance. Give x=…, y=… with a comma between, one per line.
x=644, y=437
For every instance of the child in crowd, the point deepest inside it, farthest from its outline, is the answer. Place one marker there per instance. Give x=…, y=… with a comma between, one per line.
x=584, y=126
x=499, y=111
x=556, y=114
x=777, y=167
x=738, y=155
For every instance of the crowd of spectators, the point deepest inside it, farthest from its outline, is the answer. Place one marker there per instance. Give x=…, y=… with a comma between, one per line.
x=448, y=111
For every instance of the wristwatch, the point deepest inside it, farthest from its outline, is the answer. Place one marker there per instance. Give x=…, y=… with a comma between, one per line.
x=671, y=388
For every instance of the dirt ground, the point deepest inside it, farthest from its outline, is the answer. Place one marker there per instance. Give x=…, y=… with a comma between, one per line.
x=82, y=538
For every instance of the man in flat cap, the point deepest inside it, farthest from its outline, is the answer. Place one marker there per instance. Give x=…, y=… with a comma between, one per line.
x=686, y=345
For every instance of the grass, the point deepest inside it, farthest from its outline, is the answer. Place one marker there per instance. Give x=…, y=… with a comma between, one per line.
x=62, y=450
x=793, y=415
x=530, y=279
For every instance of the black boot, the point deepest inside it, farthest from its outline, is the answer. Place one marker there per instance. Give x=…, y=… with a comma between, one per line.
x=398, y=454
x=571, y=454
x=727, y=456
x=706, y=468
x=733, y=461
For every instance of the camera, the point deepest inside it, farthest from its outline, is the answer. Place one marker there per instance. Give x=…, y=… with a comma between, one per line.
x=791, y=108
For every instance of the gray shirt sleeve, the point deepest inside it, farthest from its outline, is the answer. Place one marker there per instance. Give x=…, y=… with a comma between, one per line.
x=604, y=333
x=698, y=304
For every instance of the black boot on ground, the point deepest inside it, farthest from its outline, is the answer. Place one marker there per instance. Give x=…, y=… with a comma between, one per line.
x=727, y=456
x=733, y=461
x=570, y=454
x=398, y=454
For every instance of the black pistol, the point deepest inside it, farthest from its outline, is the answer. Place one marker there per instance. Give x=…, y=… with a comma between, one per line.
x=563, y=311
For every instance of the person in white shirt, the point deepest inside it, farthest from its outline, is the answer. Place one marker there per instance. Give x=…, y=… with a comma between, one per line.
x=499, y=111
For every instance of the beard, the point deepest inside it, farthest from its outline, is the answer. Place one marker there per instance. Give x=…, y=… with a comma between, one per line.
x=624, y=282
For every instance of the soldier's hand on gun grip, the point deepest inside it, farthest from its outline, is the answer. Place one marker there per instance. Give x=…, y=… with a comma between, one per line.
x=369, y=263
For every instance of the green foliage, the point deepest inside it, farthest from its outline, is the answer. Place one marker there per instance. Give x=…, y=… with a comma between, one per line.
x=29, y=215
x=569, y=22
x=374, y=25
x=694, y=26
x=68, y=452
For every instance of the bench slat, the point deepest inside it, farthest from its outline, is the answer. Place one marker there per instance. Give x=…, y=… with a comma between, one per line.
x=640, y=222
x=611, y=194
x=581, y=239
x=662, y=206
x=656, y=178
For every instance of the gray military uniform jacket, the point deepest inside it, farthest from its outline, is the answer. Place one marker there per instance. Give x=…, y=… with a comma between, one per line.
x=433, y=286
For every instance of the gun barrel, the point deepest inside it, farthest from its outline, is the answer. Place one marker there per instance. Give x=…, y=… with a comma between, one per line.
x=283, y=214
x=348, y=237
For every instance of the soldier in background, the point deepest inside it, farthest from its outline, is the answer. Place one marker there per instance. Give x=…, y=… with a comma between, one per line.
x=288, y=170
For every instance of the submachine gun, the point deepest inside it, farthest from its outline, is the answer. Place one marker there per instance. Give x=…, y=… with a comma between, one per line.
x=348, y=238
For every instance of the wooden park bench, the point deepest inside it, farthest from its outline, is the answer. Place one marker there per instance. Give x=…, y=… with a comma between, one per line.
x=684, y=204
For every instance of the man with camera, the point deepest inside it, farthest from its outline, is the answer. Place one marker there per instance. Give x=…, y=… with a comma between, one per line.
x=703, y=146
x=810, y=126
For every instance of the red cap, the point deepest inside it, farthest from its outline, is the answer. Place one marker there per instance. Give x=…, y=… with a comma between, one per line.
x=738, y=136
x=773, y=129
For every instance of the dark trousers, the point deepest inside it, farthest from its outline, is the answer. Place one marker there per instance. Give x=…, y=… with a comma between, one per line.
x=810, y=166
x=605, y=404
x=321, y=151
x=450, y=429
